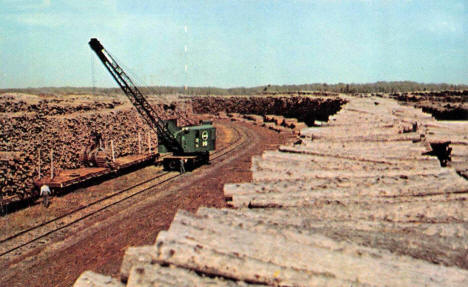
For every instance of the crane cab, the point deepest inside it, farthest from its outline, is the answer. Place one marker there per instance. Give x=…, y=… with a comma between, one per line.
x=192, y=139
x=196, y=143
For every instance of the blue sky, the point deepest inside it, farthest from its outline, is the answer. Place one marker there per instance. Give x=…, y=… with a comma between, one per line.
x=234, y=43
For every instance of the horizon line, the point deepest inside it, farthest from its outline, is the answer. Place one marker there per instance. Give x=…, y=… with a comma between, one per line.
x=246, y=87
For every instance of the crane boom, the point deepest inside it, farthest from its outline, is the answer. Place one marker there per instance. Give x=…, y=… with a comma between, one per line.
x=136, y=97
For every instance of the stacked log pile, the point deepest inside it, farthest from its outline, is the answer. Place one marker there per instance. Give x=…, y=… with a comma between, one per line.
x=13, y=103
x=443, y=105
x=274, y=119
x=370, y=211
x=288, y=123
x=272, y=122
x=28, y=135
x=304, y=108
x=15, y=170
x=255, y=118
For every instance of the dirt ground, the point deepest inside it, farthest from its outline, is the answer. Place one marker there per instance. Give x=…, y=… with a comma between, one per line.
x=139, y=224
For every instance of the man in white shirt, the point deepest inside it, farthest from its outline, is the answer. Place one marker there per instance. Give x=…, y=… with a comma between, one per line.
x=45, y=192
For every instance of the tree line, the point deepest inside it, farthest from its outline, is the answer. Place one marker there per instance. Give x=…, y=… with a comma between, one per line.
x=377, y=87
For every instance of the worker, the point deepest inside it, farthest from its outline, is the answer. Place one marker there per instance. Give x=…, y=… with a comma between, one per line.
x=182, y=166
x=45, y=193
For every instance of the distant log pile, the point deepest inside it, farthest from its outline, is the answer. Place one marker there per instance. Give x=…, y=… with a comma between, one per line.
x=300, y=93
x=359, y=202
x=443, y=105
x=51, y=107
x=29, y=133
x=273, y=122
x=442, y=96
x=305, y=109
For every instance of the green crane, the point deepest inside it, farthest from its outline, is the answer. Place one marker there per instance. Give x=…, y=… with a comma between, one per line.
x=181, y=146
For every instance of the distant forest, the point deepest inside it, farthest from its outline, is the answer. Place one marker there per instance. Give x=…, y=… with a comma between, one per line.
x=378, y=87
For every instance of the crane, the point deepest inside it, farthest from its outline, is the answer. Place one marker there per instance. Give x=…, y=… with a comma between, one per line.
x=182, y=146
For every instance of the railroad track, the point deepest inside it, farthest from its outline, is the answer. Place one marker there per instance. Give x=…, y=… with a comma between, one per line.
x=29, y=239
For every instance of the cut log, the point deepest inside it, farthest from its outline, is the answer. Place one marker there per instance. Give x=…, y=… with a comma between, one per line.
x=434, y=242
x=91, y=279
x=371, y=150
x=291, y=174
x=136, y=256
x=340, y=164
x=146, y=275
x=205, y=245
x=445, y=178
x=376, y=194
x=215, y=262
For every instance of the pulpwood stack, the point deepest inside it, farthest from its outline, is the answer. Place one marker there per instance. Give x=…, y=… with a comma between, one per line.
x=28, y=140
